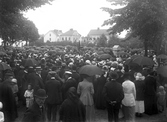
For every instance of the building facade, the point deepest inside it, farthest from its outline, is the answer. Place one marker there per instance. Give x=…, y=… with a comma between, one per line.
x=52, y=36
x=71, y=35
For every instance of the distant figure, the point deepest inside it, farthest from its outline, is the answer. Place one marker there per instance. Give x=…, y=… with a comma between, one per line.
x=161, y=99
x=29, y=96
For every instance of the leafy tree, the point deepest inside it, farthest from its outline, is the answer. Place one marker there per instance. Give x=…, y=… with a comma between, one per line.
x=11, y=17
x=145, y=19
x=102, y=41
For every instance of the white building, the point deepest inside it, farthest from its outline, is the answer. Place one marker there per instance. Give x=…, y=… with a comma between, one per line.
x=71, y=35
x=52, y=36
x=95, y=34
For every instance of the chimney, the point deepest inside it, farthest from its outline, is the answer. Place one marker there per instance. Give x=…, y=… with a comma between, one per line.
x=98, y=28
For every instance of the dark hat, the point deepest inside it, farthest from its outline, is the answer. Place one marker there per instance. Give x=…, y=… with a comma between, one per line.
x=41, y=93
x=113, y=74
x=9, y=74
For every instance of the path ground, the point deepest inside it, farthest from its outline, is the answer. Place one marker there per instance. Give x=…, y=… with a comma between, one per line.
x=101, y=116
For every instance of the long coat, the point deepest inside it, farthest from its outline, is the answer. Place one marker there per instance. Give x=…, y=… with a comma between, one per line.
x=34, y=114
x=8, y=101
x=53, y=90
x=113, y=91
x=100, y=103
x=71, y=111
x=140, y=89
x=150, y=99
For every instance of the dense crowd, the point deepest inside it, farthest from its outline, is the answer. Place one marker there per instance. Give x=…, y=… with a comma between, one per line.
x=49, y=84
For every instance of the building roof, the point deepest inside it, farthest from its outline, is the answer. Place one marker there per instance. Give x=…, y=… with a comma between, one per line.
x=71, y=32
x=98, y=31
x=56, y=32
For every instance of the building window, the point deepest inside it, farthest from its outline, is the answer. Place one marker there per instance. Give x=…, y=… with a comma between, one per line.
x=69, y=38
x=50, y=34
x=63, y=39
x=50, y=39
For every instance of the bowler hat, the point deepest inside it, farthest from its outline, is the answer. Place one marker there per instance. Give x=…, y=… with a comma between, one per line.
x=41, y=93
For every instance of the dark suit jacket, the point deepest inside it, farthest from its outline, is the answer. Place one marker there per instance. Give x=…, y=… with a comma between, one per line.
x=34, y=114
x=36, y=81
x=53, y=90
x=113, y=91
x=151, y=85
x=69, y=83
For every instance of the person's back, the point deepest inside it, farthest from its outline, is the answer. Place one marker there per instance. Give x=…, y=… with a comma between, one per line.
x=72, y=109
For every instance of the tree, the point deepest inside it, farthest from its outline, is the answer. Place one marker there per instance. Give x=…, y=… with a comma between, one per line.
x=102, y=41
x=11, y=17
x=145, y=19
x=29, y=31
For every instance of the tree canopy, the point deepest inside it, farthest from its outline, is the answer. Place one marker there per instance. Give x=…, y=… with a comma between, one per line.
x=145, y=19
x=13, y=25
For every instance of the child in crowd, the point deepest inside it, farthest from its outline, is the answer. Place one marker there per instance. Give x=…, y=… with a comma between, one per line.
x=1, y=113
x=29, y=96
x=161, y=99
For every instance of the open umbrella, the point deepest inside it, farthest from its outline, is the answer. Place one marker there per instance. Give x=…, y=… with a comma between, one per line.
x=4, y=66
x=90, y=70
x=2, y=53
x=143, y=61
x=30, y=62
x=162, y=56
x=105, y=56
x=162, y=71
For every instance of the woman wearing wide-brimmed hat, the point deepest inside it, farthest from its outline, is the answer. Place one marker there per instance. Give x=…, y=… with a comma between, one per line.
x=35, y=113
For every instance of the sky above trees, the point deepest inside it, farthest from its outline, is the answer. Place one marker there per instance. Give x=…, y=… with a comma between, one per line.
x=81, y=15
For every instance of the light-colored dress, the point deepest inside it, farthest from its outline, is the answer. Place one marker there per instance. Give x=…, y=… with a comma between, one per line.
x=86, y=91
x=29, y=97
x=1, y=117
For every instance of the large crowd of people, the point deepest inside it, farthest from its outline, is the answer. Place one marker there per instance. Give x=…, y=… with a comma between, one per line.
x=48, y=83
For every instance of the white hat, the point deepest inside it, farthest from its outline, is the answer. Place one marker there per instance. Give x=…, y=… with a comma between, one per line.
x=139, y=76
x=68, y=72
x=14, y=80
x=1, y=105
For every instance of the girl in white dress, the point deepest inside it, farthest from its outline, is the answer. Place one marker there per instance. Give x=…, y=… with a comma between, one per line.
x=29, y=96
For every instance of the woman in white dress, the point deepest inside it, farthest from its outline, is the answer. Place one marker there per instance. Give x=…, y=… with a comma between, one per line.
x=86, y=90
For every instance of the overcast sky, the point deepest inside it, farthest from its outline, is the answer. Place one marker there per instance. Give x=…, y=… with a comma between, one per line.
x=81, y=15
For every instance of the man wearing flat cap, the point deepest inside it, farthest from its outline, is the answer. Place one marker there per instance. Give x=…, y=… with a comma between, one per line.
x=35, y=113
x=113, y=93
x=53, y=90
x=69, y=82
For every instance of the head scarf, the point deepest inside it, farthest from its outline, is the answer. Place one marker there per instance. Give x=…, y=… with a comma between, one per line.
x=72, y=94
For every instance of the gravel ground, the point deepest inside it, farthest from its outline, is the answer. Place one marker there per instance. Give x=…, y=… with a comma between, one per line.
x=101, y=116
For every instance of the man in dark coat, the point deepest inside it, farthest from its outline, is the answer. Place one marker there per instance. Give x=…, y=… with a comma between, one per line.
x=69, y=82
x=72, y=109
x=53, y=90
x=113, y=93
x=99, y=83
x=150, y=95
x=8, y=101
x=36, y=113
x=35, y=79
